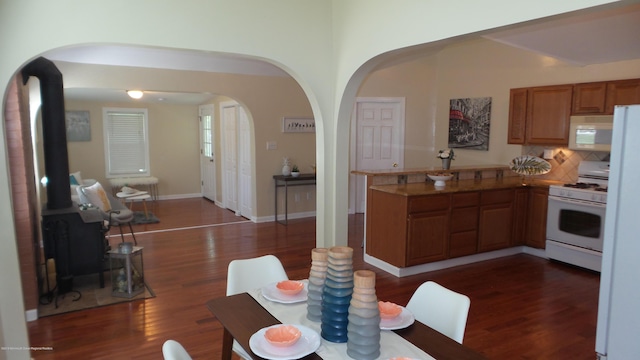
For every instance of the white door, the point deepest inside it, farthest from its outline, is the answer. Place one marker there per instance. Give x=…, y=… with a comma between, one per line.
x=246, y=164
x=207, y=156
x=230, y=156
x=377, y=138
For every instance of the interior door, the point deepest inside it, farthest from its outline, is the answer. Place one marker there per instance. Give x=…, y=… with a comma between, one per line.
x=207, y=158
x=245, y=163
x=230, y=162
x=379, y=139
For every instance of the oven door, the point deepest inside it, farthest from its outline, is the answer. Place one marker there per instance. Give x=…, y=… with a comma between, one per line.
x=576, y=222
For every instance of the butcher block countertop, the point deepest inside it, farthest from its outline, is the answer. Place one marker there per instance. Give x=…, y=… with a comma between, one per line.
x=428, y=188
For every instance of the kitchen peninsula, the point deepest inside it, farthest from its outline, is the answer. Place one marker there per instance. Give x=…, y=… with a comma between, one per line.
x=484, y=212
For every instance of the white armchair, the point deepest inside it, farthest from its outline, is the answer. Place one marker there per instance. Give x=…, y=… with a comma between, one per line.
x=114, y=212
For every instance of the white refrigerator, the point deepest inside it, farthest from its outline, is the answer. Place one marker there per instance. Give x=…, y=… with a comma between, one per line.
x=618, y=329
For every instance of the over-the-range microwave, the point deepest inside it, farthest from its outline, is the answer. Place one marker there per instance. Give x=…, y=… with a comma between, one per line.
x=591, y=132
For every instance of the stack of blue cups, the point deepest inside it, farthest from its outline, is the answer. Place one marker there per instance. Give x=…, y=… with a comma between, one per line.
x=336, y=295
x=317, y=277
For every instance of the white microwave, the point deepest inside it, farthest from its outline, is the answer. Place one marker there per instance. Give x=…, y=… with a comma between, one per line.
x=591, y=132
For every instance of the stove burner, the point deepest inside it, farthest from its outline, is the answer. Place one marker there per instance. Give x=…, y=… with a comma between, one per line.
x=581, y=185
x=588, y=186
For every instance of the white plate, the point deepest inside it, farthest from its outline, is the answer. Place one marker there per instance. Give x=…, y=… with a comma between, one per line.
x=399, y=322
x=308, y=343
x=271, y=292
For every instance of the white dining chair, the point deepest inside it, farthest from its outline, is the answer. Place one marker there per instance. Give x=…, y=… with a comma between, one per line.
x=247, y=274
x=173, y=350
x=440, y=308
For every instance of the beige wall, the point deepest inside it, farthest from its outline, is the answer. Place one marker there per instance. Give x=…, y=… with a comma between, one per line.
x=478, y=68
x=173, y=146
x=174, y=130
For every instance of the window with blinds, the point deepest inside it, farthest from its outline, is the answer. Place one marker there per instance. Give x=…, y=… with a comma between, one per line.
x=126, y=142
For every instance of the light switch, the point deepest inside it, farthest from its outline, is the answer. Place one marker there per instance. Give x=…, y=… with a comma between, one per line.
x=272, y=145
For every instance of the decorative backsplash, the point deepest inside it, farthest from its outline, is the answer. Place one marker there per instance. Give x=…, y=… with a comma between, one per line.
x=564, y=165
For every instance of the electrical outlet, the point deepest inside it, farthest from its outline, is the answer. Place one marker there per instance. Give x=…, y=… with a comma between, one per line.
x=308, y=195
x=297, y=197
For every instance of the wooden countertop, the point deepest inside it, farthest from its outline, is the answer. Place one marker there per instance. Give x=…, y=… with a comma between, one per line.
x=429, y=170
x=428, y=188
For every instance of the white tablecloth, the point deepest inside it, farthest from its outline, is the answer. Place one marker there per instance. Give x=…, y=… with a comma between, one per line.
x=391, y=344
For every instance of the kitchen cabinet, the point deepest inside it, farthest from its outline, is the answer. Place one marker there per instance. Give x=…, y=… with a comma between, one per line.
x=463, y=230
x=413, y=225
x=521, y=202
x=599, y=98
x=543, y=114
x=496, y=219
x=622, y=92
x=517, y=116
x=589, y=98
x=536, y=234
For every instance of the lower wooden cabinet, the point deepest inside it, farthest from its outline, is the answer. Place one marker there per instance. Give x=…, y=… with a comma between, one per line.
x=428, y=237
x=536, y=234
x=463, y=238
x=496, y=220
x=411, y=230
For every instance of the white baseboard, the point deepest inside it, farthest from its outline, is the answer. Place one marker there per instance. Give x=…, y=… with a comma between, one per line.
x=179, y=196
x=31, y=315
x=290, y=216
x=444, y=264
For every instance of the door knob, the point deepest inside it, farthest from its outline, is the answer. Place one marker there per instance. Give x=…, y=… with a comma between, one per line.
x=395, y=164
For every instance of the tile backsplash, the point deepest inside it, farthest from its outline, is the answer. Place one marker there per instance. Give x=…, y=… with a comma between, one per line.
x=564, y=164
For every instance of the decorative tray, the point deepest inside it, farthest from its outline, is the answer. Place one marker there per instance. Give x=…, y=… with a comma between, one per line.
x=529, y=165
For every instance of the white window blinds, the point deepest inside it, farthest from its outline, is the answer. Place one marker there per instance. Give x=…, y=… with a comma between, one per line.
x=126, y=142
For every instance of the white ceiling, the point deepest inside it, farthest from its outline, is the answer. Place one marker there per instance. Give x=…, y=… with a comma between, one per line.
x=587, y=38
x=591, y=38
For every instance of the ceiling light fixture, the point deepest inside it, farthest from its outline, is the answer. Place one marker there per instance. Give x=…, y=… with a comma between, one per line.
x=135, y=94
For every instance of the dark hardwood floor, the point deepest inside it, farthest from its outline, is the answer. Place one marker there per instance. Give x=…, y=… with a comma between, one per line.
x=522, y=307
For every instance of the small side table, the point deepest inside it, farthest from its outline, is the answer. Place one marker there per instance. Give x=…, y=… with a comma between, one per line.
x=131, y=197
x=127, y=272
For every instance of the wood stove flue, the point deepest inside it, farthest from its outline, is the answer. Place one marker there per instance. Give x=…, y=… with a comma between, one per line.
x=56, y=161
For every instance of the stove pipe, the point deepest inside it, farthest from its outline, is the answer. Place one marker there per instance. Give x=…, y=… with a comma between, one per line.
x=56, y=160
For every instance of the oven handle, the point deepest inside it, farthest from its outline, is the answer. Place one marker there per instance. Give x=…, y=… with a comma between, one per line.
x=576, y=201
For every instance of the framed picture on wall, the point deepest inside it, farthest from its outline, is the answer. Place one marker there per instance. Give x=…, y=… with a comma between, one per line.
x=298, y=125
x=469, y=122
x=78, y=126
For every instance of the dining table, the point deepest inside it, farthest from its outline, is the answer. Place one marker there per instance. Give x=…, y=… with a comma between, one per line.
x=243, y=315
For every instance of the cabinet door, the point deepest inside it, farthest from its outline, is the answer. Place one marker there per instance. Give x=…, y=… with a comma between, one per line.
x=537, y=219
x=622, y=92
x=517, y=116
x=548, y=112
x=386, y=227
x=589, y=98
x=428, y=236
x=496, y=227
x=520, y=217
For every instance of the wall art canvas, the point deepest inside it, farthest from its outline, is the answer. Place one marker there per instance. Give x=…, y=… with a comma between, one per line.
x=298, y=125
x=469, y=122
x=78, y=126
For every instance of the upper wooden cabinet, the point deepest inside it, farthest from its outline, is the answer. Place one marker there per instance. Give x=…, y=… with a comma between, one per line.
x=622, y=92
x=540, y=115
x=589, y=98
x=599, y=98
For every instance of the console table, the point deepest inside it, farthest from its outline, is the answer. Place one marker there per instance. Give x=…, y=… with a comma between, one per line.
x=286, y=181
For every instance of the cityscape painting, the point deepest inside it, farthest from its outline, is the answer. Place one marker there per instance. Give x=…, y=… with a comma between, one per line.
x=469, y=121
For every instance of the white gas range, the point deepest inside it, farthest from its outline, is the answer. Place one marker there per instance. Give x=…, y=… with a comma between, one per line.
x=576, y=215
